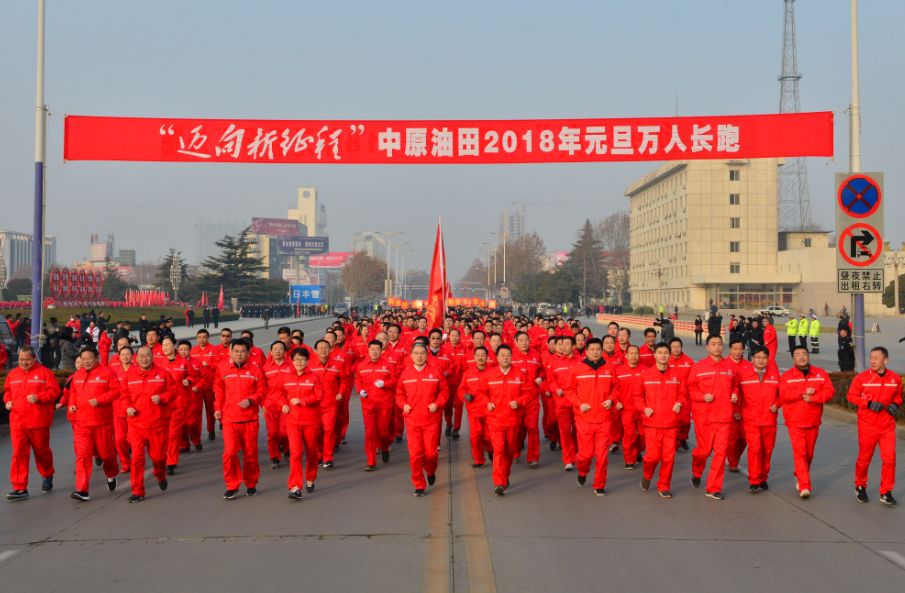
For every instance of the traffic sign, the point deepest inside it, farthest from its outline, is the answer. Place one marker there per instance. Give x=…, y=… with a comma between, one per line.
x=860, y=281
x=859, y=196
x=860, y=244
x=859, y=227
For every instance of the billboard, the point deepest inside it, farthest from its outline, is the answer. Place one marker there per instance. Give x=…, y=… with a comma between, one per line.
x=275, y=227
x=337, y=259
x=302, y=245
x=306, y=294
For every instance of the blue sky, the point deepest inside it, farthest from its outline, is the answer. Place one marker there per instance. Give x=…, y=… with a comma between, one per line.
x=404, y=60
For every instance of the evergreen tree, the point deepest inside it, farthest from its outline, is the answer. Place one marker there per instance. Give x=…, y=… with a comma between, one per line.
x=585, y=264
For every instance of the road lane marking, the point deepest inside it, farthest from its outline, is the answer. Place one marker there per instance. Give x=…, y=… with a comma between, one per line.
x=477, y=547
x=437, y=572
x=4, y=556
x=894, y=557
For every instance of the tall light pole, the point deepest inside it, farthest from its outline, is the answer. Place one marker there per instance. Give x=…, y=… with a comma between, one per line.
x=898, y=259
x=387, y=235
x=854, y=166
x=176, y=276
x=37, y=245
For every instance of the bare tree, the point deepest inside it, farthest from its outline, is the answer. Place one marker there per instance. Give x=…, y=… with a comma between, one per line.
x=363, y=276
x=614, y=232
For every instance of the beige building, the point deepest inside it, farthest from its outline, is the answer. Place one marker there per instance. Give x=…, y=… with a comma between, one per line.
x=707, y=232
x=310, y=212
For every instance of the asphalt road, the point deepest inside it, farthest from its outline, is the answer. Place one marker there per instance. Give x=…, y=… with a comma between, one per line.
x=365, y=532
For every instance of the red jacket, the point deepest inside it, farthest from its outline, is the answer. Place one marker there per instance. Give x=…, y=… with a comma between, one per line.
x=559, y=370
x=274, y=374
x=420, y=388
x=792, y=386
x=531, y=363
x=758, y=395
x=120, y=403
x=456, y=356
x=367, y=373
x=99, y=383
x=181, y=369
x=682, y=365
x=660, y=391
x=232, y=385
x=474, y=382
x=717, y=379
x=256, y=356
x=647, y=355
x=615, y=359
x=868, y=386
x=629, y=383
x=104, y=344
x=306, y=387
x=593, y=386
x=40, y=382
x=504, y=388
x=329, y=375
x=139, y=386
x=209, y=359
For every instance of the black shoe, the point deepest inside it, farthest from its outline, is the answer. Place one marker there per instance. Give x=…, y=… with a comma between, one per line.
x=344, y=441
x=553, y=445
x=17, y=495
x=163, y=485
x=517, y=460
x=887, y=499
x=47, y=484
x=171, y=470
x=398, y=439
x=645, y=484
x=764, y=486
x=755, y=489
x=135, y=498
x=431, y=479
x=696, y=482
x=80, y=496
x=665, y=494
x=186, y=450
x=455, y=435
x=295, y=494
x=629, y=466
x=499, y=491
x=275, y=463
x=448, y=431
x=581, y=479
x=211, y=435
x=490, y=455
x=477, y=465
x=385, y=456
x=733, y=470
x=230, y=494
x=111, y=484
x=639, y=459
x=98, y=462
x=599, y=491
x=328, y=465
x=251, y=491
x=370, y=468
x=309, y=489
x=419, y=492
x=614, y=448
x=715, y=495
x=684, y=445
x=199, y=447
x=861, y=494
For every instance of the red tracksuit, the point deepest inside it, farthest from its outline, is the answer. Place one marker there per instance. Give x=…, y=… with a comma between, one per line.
x=876, y=428
x=593, y=384
x=558, y=372
x=803, y=418
x=770, y=342
x=646, y=354
x=232, y=385
x=504, y=387
x=398, y=352
x=737, y=441
x=631, y=417
x=418, y=388
x=758, y=394
x=452, y=412
x=530, y=362
x=549, y=423
x=277, y=437
x=683, y=365
x=712, y=420
x=344, y=359
x=474, y=383
x=191, y=433
x=120, y=421
x=149, y=427
x=181, y=369
x=209, y=357
x=660, y=391
x=377, y=407
x=331, y=380
x=303, y=393
x=29, y=423
x=93, y=425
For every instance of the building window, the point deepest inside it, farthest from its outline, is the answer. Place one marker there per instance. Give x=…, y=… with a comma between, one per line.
x=734, y=174
x=735, y=268
x=807, y=242
x=735, y=222
x=735, y=246
x=735, y=199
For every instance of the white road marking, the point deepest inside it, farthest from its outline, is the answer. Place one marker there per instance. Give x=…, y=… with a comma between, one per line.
x=4, y=556
x=894, y=557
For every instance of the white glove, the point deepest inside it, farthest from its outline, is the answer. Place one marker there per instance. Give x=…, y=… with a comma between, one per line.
x=379, y=383
x=363, y=393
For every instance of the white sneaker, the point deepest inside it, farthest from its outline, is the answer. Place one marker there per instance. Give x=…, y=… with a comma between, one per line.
x=805, y=493
x=568, y=467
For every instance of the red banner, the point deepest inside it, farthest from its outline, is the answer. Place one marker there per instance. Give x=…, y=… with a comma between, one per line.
x=275, y=227
x=336, y=259
x=436, y=142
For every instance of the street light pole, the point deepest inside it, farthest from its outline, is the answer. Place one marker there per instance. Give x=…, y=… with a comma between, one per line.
x=854, y=165
x=37, y=246
x=898, y=259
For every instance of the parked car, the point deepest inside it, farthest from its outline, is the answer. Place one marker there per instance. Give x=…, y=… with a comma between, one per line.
x=773, y=311
x=341, y=309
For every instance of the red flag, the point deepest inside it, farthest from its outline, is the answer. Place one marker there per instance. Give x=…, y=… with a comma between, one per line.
x=220, y=299
x=438, y=288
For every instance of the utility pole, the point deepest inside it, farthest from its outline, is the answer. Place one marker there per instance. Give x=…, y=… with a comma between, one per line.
x=37, y=246
x=854, y=165
x=898, y=259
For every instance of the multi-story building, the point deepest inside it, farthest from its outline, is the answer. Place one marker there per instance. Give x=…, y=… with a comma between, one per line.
x=310, y=212
x=512, y=224
x=15, y=249
x=371, y=242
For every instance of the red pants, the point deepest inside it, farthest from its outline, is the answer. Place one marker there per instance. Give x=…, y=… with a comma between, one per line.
x=593, y=441
x=479, y=437
x=528, y=430
x=617, y=430
x=711, y=438
x=191, y=435
x=565, y=420
x=505, y=447
x=761, y=440
x=240, y=436
x=737, y=444
x=174, y=434
x=276, y=433
x=452, y=411
x=550, y=423
x=309, y=437
x=632, y=436
x=803, y=441
x=154, y=440
x=208, y=397
x=378, y=431
x=342, y=418
x=684, y=424
x=660, y=448
x=328, y=423
x=868, y=439
x=88, y=441
x=398, y=423
x=121, y=440
x=23, y=441
x=423, y=445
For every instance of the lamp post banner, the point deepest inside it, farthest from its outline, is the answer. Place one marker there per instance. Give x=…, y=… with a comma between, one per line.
x=435, y=142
